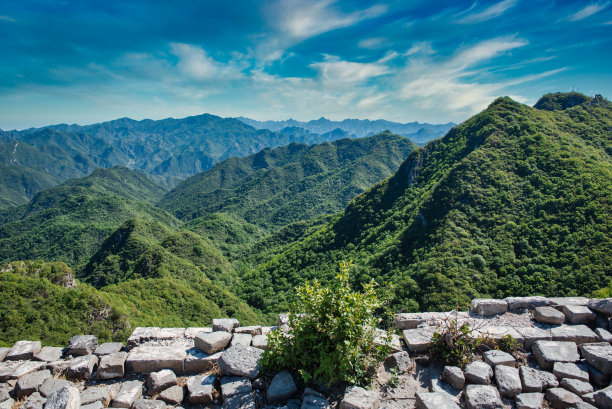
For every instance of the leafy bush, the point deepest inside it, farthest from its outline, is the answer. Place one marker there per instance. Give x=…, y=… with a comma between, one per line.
x=332, y=333
x=455, y=345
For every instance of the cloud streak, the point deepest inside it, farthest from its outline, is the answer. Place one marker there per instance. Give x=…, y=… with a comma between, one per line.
x=489, y=13
x=588, y=11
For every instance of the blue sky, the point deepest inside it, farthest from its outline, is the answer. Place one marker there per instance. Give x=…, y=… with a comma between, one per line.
x=88, y=61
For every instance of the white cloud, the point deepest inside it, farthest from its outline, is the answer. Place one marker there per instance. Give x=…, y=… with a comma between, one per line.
x=196, y=64
x=294, y=21
x=588, y=11
x=449, y=85
x=336, y=72
x=372, y=43
x=493, y=11
x=7, y=18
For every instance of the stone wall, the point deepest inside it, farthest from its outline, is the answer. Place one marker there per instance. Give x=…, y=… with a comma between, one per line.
x=566, y=362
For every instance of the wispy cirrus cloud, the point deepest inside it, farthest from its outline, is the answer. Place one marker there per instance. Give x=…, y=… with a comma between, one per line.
x=588, y=11
x=195, y=63
x=489, y=13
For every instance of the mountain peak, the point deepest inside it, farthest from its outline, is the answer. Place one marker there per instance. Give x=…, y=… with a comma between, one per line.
x=559, y=101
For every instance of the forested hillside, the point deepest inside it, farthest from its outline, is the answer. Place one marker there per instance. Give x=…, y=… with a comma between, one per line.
x=278, y=186
x=514, y=201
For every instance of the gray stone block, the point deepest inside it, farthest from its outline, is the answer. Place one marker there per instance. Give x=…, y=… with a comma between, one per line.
x=96, y=394
x=225, y=324
x=578, y=387
x=174, y=395
x=482, y=397
x=580, y=334
x=418, y=339
x=578, y=314
x=434, y=400
x=531, y=400
x=508, y=381
x=453, y=375
x=562, y=398
x=260, y=341
x=598, y=355
x=52, y=385
x=82, y=367
x=108, y=348
x=281, y=388
x=201, y=389
x=533, y=334
x=518, y=303
x=356, y=397
x=64, y=398
x=534, y=380
x=28, y=384
x=496, y=357
x=82, y=345
x=571, y=370
x=34, y=401
x=148, y=404
x=242, y=339
x=49, y=354
x=112, y=366
x=253, y=330
x=549, y=315
x=240, y=360
x=489, y=306
x=158, y=381
x=147, y=359
x=23, y=351
x=211, y=342
x=129, y=393
x=549, y=352
x=478, y=372
x=234, y=385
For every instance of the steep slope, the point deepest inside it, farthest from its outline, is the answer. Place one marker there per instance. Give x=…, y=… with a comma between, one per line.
x=515, y=201
x=19, y=184
x=68, y=222
x=296, y=182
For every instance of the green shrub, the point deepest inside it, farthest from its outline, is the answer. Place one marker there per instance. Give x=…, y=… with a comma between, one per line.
x=332, y=333
x=454, y=345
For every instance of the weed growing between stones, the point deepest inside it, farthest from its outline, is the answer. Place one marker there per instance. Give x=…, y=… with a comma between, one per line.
x=332, y=332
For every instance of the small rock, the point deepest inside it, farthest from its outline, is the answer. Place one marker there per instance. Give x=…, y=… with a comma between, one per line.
x=252, y=330
x=3, y=352
x=598, y=355
x=534, y=380
x=260, y=341
x=52, y=385
x=5, y=390
x=418, y=339
x=30, y=383
x=495, y=357
x=148, y=404
x=49, y=354
x=549, y=352
x=108, y=348
x=549, y=315
x=281, y=388
x=482, y=397
x=508, y=380
x=242, y=339
x=211, y=342
x=64, y=398
x=34, y=401
x=58, y=367
x=225, y=324
x=579, y=334
x=453, y=375
x=82, y=345
x=578, y=314
x=578, y=387
x=112, y=366
x=23, y=351
x=201, y=389
x=233, y=385
x=158, y=381
x=478, y=372
x=561, y=301
x=129, y=393
x=173, y=395
x=570, y=370
x=434, y=400
x=532, y=400
x=400, y=360
x=561, y=398
x=95, y=394
x=356, y=397
x=240, y=360
x=439, y=386
x=82, y=367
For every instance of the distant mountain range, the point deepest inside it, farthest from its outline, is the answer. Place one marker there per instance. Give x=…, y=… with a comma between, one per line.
x=356, y=128
x=168, y=150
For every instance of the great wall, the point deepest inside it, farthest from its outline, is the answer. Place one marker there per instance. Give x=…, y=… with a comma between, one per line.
x=565, y=362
